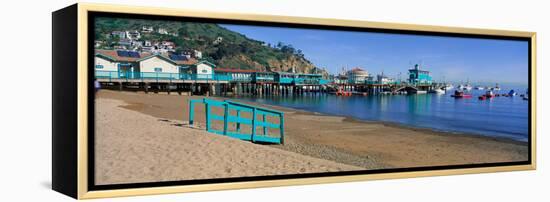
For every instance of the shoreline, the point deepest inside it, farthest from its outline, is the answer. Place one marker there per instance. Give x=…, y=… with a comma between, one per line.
x=367, y=144
x=388, y=123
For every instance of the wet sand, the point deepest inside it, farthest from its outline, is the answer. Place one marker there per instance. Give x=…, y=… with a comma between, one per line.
x=369, y=145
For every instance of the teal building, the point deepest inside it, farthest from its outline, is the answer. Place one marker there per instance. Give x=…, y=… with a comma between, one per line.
x=418, y=76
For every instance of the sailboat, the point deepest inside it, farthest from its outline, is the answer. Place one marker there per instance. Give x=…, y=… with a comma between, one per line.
x=448, y=86
x=496, y=88
x=467, y=87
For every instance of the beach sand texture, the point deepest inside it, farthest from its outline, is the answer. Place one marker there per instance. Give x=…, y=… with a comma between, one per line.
x=336, y=140
x=132, y=147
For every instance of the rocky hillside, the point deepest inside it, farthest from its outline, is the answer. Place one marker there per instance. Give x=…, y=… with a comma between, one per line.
x=223, y=47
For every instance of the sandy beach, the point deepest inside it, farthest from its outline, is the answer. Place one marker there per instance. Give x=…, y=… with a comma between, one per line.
x=132, y=147
x=144, y=137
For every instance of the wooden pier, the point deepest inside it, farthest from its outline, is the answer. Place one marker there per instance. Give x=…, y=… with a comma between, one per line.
x=226, y=85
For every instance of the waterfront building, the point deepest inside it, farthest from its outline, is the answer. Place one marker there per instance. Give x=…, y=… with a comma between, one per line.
x=117, y=63
x=125, y=65
x=357, y=76
x=285, y=77
x=203, y=70
x=383, y=79
x=133, y=65
x=158, y=66
x=418, y=76
x=234, y=75
x=264, y=77
x=340, y=79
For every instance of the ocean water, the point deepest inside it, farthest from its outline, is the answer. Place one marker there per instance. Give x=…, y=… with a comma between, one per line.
x=499, y=117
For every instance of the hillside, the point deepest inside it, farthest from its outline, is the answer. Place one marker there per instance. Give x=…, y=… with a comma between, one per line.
x=219, y=45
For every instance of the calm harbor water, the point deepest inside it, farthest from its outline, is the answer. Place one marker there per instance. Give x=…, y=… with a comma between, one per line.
x=500, y=116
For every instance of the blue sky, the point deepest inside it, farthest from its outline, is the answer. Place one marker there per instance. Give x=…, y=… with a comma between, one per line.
x=448, y=58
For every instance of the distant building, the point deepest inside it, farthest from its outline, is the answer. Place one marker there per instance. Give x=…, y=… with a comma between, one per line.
x=383, y=79
x=162, y=31
x=168, y=45
x=147, y=43
x=147, y=29
x=125, y=42
x=119, y=34
x=218, y=40
x=133, y=35
x=98, y=43
x=197, y=54
x=340, y=79
x=357, y=76
x=137, y=43
x=418, y=76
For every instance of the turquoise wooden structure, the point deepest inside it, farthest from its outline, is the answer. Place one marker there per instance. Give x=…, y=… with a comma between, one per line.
x=239, y=108
x=141, y=76
x=417, y=76
x=260, y=77
x=257, y=77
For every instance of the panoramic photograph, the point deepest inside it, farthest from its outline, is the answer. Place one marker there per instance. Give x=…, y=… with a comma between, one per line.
x=183, y=100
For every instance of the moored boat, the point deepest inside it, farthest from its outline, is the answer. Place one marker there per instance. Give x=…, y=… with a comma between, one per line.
x=496, y=88
x=512, y=93
x=448, y=86
x=461, y=94
x=437, y=91
x=490, y=94
x=467, y=87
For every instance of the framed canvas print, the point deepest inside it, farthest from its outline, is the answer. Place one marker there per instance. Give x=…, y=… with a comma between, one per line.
x=157, y=100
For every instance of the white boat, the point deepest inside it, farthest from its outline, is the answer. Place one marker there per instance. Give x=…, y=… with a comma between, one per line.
x=437, y=91
x=448, y=86
x=479, y=88
x=467, y=87
x=421, y=92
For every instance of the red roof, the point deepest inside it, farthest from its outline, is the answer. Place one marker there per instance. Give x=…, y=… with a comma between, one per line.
x=357, y=69
x=235, y=70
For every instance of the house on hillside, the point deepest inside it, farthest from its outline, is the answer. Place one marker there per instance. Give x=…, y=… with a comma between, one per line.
x=162, y=31
x=133, y=35
x=147, y=29
x=119, y=34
